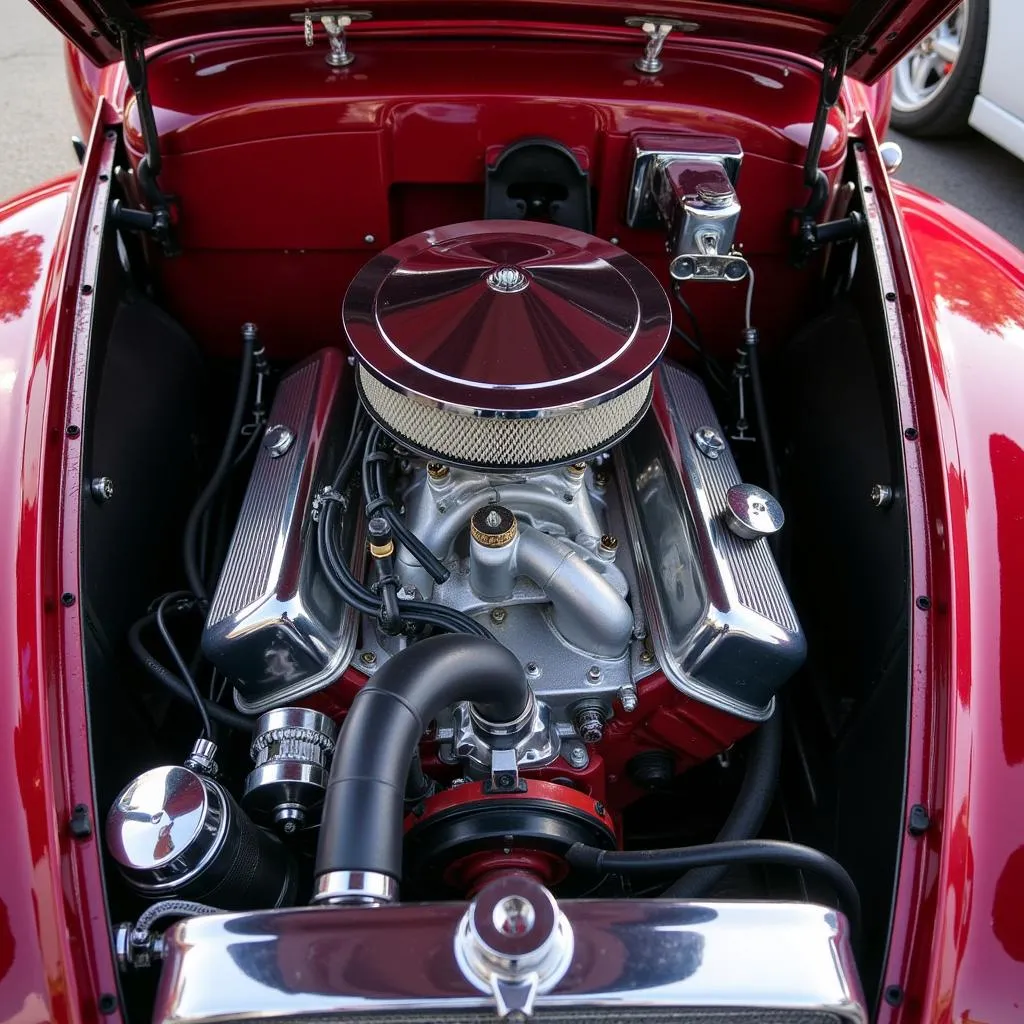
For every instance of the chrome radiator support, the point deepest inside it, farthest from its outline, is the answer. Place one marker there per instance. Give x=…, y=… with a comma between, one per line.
x=515, y=951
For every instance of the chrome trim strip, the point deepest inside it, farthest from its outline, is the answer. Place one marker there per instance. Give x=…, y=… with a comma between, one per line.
x=638, y=958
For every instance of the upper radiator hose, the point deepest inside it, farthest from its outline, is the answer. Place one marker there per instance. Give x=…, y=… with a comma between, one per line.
x=359, y=855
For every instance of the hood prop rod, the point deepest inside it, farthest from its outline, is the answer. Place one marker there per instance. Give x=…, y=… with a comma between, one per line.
x=832, y=74
x=158, y=219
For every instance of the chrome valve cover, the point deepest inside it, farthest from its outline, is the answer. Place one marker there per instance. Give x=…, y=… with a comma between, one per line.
x=275, y=627
x=723, y=626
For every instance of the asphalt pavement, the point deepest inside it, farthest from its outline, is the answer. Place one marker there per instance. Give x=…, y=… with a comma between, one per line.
x=36, y=125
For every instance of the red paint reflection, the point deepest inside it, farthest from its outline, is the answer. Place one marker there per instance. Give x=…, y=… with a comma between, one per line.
x=1007, y=920
x=22, y=260
x=1007, y=459
x=991, y=300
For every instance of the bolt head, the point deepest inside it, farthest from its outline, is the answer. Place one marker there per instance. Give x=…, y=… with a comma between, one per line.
x=369, y=239
x=593, y=674
x=102, y=488
x=646, y=656
x=881, y=495
x=498, y=616
x=577, y=756
x=628, y=699
x=532, y=669
x=368, y=658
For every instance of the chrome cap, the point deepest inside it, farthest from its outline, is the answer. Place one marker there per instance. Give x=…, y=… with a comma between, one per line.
x=752, y=512
x=165, y=827
x=514, y=942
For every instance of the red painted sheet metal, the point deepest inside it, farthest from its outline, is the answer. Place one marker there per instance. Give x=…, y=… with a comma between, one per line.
x=55, y=960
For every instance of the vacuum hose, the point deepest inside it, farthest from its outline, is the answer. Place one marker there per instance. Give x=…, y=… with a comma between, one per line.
x=361, y=827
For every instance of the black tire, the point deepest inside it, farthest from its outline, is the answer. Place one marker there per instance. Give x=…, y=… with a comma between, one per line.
x=946, y=114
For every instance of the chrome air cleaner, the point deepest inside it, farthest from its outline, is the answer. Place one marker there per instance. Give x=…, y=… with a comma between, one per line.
x=506, y=344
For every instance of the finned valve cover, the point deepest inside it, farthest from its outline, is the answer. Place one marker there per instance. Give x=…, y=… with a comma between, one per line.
x=506, y=344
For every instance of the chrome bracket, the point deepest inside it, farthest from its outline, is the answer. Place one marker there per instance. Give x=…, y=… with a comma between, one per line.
x=657, y=29
x=334, y=22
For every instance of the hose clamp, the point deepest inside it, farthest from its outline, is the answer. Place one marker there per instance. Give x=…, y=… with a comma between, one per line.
x=355, y=888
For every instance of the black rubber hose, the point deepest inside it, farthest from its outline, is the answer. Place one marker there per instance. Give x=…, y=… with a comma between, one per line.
x=223, y=467
x=744, y=851
x=186, y=674
x=753, y=802
x=375, y=491
x=341, y=580
x=219, y=713
x=361, y=827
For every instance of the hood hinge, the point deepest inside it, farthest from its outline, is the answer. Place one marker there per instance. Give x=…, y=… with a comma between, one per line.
x=836, y=60
x=158, y=220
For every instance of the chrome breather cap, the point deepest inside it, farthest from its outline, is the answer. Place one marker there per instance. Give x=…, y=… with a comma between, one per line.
x=506, y=344
x=752, y=512
x=165, y=827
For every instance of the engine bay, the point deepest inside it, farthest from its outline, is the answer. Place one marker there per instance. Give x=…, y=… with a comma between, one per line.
x=498, y=581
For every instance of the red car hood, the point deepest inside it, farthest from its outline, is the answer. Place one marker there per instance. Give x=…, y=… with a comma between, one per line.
x=880, y=30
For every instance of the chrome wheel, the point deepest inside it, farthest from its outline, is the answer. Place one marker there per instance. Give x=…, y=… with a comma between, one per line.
x=925, y=72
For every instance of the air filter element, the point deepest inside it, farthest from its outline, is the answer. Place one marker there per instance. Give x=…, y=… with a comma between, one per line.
x=506, y=344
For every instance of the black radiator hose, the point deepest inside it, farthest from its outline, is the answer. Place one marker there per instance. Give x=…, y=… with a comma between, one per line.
x=748, y=812
x=361, y=827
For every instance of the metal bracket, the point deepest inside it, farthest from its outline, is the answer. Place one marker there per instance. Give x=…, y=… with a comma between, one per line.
x=158, y=219
x=334, y=22
x=505, y=772
x=657, y=29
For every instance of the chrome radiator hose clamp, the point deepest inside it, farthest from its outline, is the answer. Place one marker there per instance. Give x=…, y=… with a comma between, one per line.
x=355, y=889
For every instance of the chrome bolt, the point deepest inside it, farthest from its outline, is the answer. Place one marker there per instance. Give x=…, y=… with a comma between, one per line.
x=709, y=442
x=532, y=669
x=577, y=755
x=646, y=656
x=590, y=725
x=614, y=239
x=593, y=674
x=102, y=488
x=628, y=698
x=881, y=495
x=498, y=615
x=577, y=469
x=369, y=239
x=368, y=658
x=437, y=470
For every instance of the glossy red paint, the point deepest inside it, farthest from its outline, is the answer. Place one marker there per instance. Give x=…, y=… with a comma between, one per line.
x=55, y=960
x=884, y=30
x=956, y=951
x=348, y=150
x=87, y=83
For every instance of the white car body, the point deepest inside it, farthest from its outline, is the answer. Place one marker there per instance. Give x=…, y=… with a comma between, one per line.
x=998, y=110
